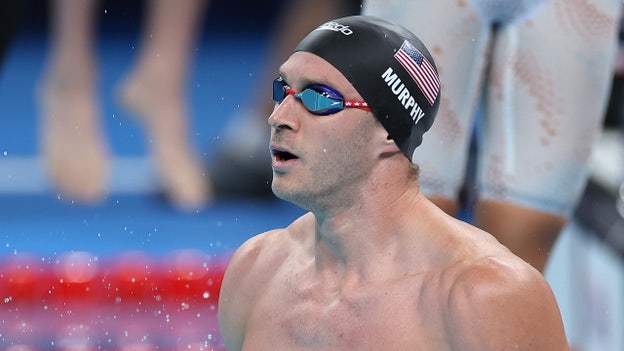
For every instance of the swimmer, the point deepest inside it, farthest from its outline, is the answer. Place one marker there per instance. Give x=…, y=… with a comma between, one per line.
x=373, y=265
x=542, y=69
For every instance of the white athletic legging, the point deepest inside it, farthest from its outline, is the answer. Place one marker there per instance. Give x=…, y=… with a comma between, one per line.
x=544, y=68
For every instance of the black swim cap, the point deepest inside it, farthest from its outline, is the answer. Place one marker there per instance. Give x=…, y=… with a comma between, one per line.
x=389, y=66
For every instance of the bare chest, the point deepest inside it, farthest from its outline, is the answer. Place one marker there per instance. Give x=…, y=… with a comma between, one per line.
x=375, y=318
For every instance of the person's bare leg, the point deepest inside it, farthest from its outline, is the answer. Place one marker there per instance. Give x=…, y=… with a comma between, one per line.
x=528, y=233
x=74, y=151
x=156, y=92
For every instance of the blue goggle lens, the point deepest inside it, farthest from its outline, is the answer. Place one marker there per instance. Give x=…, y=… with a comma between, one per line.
x=320, y=100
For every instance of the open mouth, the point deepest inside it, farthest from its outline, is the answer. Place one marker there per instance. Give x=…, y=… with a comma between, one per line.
x=282, y=155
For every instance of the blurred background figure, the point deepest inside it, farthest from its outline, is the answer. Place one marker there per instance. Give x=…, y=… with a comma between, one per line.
x=74, y=148
x=241, y=166
x=615, y=116
x=544, y=68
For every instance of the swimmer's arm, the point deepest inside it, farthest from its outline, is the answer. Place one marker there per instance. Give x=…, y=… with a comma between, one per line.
x=237, y=293
x=498, y=305
x=231, y=315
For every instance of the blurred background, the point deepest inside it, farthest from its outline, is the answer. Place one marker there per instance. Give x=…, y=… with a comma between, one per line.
x=135, y=271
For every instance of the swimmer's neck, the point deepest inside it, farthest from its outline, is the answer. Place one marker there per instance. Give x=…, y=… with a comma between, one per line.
x=361, y=238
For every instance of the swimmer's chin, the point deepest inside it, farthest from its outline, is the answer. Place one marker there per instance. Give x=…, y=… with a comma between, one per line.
x=293, y=197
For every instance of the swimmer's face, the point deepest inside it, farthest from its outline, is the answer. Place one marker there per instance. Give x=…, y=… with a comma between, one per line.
x=319, y=160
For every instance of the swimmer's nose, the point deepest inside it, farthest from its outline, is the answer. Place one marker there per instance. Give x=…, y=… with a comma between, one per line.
x=285, y=115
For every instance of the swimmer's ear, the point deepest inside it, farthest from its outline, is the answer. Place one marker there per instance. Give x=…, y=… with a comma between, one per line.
x=387, y=146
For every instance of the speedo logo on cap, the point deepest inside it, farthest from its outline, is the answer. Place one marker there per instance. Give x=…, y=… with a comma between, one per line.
x=403, y=94
x=336, y=27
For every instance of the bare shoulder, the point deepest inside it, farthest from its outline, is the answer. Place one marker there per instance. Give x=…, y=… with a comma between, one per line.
x=259, y=254
x=502, y=303
x=254, y=263
x=249, y=272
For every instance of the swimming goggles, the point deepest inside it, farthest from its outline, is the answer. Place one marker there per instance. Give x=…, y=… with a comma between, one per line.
x=319, y=99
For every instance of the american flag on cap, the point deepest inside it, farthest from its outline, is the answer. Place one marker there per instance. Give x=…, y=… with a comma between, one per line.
x=420, y=69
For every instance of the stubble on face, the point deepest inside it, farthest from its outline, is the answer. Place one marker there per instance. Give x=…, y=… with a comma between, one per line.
x=333, y=171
